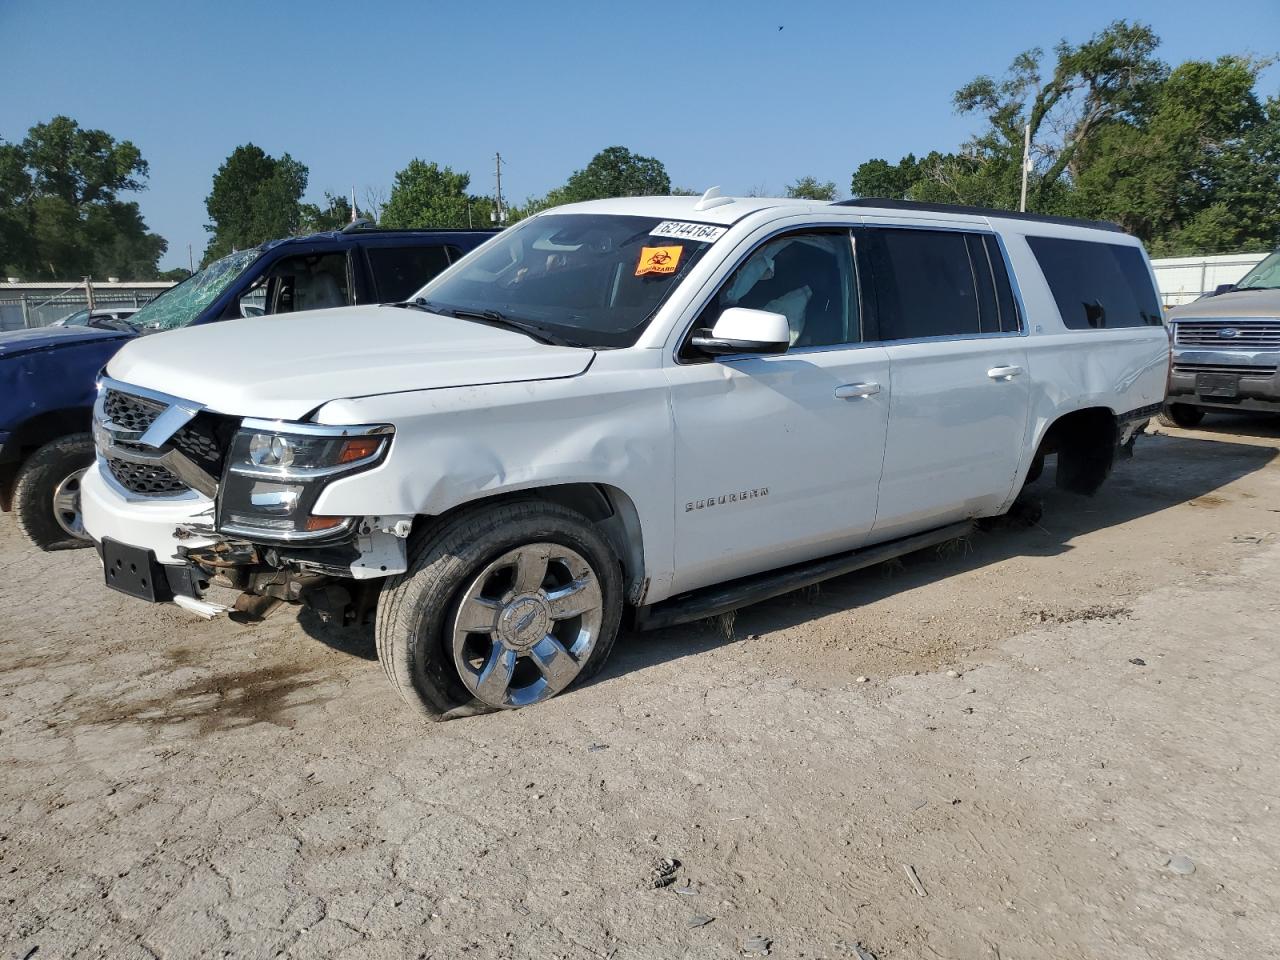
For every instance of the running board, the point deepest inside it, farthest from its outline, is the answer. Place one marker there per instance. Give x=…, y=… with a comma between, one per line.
x=724, y=597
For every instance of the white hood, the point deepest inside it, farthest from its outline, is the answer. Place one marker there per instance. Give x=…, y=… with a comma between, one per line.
x=283, y=367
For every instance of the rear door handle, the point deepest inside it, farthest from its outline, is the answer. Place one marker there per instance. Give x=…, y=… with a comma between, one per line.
x=857, y=391
x=1004, y=372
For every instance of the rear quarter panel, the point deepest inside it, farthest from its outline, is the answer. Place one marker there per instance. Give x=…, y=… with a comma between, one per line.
x=1121, y=370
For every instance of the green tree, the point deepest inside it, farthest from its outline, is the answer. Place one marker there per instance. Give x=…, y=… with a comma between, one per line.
x=614, y=172
x=1187, y=159
x=334, y=215
x=1199, y=170
x=810, y=188
x=60, y=212
x=889, y=181
x=1108, y=78
x=428, y=195
x=255, y=197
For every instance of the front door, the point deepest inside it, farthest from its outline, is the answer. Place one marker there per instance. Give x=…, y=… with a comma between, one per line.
x=961, y=396
x=778, y=457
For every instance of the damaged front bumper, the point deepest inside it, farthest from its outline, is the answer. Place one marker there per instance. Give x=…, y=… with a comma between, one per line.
x=174, y=540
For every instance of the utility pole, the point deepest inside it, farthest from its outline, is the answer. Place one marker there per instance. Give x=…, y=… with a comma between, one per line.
x=1026, y=165
x=354, y=213
x=191, y=260
x=499, y=215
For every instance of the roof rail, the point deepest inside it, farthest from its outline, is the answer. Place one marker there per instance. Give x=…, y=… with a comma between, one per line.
x=924, y=207
x=361, y=224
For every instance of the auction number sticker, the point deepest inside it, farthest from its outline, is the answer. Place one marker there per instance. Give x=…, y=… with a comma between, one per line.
x=682, y=230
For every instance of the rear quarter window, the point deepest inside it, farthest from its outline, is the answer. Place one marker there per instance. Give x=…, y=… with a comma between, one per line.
x=399, y=271
x=1097, y=286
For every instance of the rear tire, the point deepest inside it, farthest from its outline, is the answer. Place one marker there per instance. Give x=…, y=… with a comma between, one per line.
x=1180, y=415
x=539, y=585
x=46, y=495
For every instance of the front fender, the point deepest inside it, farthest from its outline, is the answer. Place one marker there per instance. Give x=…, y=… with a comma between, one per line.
x=454, y=447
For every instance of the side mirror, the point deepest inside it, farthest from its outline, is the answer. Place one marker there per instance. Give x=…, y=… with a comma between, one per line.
x=1223, y=288
x=740, y=330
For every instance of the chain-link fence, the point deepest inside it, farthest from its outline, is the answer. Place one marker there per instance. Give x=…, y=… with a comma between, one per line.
x=21, y=312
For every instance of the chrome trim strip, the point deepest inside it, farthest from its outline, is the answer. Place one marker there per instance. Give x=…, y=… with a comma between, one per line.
x=168, y=423
x=130, y=497
x=316, y=429
x=156, y=395
x=260, y=535
x=1236, y=358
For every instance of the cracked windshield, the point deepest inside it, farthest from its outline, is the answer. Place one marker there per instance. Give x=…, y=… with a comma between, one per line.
x=180, y=305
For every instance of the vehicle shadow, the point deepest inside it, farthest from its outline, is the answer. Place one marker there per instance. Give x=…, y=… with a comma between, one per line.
x=1259, y=426
x=1167, y=470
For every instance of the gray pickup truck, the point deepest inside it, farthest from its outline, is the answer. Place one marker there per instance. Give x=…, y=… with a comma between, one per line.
x=1226, y=349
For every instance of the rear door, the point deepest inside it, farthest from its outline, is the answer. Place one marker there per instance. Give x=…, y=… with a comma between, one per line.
x=400, y=269
x=946, y=313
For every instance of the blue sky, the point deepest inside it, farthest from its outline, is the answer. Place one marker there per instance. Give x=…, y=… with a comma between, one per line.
x=714, y=90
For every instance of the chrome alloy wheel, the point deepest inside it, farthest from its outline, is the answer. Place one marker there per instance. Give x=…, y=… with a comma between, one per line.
x=526, y=625
x=66, y=505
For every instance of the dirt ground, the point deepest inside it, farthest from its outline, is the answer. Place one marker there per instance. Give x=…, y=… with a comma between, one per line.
x=1068, y=732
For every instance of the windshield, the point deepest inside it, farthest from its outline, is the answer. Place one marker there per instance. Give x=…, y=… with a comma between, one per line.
x=179, y=305
x=589, y=279
x=1265, y=276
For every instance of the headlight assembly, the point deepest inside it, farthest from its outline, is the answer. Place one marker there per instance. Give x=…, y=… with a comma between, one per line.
x=276, y=471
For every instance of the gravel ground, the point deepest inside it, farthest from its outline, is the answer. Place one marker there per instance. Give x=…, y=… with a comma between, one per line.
x=1067, y=731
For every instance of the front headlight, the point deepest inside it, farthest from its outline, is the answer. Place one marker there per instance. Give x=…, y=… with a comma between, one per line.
x=276, y=471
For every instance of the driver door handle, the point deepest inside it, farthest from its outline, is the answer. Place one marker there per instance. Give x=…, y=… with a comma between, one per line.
x=1004, y=372
x=857, y=391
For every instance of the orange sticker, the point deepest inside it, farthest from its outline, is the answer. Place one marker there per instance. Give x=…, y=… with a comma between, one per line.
x=658, y=260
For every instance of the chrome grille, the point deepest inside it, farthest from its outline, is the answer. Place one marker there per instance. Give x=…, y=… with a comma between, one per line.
x=1237, y=368
x=131, y=413
x=1251, y=334
x=149, y=480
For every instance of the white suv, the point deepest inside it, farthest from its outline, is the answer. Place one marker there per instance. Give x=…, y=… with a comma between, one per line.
x=668, y=404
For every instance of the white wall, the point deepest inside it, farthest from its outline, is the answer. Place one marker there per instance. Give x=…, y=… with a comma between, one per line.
x=1183, y=279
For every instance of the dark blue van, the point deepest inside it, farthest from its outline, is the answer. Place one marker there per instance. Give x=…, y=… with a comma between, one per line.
x=47, y=375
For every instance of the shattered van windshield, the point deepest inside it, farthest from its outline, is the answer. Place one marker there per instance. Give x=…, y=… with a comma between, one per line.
x=179, y=305
x=589, y=279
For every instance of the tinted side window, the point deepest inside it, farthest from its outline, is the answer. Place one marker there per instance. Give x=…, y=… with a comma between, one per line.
x=808, y=277
x=925, y=284
x=1008, y=320
x=399, y=271
x=1097, y=285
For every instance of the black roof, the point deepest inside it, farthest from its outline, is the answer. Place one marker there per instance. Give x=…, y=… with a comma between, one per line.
x=923, y=207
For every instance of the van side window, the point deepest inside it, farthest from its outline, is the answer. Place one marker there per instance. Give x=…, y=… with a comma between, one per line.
x=808, y=277
x=399, y=271
x=1097, y=285
x=925, y=283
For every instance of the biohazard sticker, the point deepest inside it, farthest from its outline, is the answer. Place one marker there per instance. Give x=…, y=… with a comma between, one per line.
x=681, y=230
x=658, y=260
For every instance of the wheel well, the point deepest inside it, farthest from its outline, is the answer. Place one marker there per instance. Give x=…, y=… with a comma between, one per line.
x=1085, y=442
x=608, y=507
x=32, y=434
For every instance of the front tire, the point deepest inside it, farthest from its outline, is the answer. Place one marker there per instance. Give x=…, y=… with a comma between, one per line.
x=1180, y=415
x=46, y=496
x=501, y=607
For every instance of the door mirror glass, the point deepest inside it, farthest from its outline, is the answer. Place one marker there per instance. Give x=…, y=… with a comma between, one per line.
x=742, y=330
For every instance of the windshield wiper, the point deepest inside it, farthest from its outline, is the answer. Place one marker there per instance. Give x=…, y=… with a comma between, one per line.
x=418, y=304
x=492, y=318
